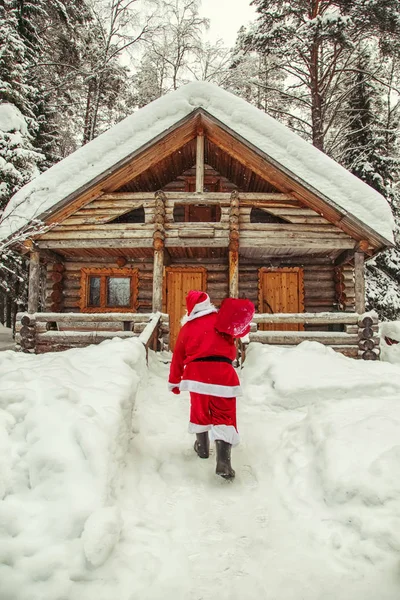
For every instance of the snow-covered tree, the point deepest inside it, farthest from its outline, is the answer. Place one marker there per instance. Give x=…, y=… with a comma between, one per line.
x=19, y=160
x=118, y=27
x=175, y=53
x=371, y=151
x=315, y=42
x=254, y=76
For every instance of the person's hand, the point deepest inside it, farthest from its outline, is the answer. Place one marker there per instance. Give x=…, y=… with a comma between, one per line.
x=176, y=390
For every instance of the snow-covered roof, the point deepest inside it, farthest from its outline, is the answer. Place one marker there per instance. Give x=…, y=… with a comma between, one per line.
x=309, y=165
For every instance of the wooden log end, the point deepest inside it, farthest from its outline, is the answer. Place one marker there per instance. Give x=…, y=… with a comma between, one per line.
x=366, y=322
x=25, y=320
x=58, y=267
x=26, y=331
x=370, y=355
x=56, y=296
x=56, y=307
x=56, y=276
x=365, y=333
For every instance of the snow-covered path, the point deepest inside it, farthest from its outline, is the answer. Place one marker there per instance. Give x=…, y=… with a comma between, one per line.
x=93, y=508
x=190, y=535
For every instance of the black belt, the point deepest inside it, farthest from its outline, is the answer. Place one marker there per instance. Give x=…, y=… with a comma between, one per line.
x=213, y=359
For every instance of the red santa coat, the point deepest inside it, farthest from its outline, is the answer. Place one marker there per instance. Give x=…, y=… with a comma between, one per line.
x=199, y=339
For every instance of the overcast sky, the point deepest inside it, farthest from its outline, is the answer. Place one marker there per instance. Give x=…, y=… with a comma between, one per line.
x=226, y=17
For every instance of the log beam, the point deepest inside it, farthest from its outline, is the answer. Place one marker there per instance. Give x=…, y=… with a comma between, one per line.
x=359, y=281
x=234, y=215
x=158, y=245
x=200, y=162
x=34, y=281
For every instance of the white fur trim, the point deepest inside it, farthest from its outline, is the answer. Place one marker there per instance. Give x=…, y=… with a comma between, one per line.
x=171, y=386
x=227, y=433
x=224, y=391
x=195, y=315
x=194, y=428
x=201, y=305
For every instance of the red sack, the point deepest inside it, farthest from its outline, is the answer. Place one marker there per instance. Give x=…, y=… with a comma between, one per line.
x=234, y=317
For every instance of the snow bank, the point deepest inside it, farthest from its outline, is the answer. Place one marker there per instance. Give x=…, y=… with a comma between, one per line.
x=310, y=372
x=338, y=465
x=65, y=421
x=390, y=334
x=312, y=167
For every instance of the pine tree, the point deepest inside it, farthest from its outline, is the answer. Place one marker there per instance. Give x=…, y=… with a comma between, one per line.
x=316, y=42
x=371, y=152
x=19, y=161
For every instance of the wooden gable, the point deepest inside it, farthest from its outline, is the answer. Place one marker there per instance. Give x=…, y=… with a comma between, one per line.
x=235, y=165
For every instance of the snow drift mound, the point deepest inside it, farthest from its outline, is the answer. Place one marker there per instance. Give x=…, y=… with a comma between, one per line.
x=390, y=341
x=337, y=468
x=310, y=372
x=340, y=468
x=65, y=423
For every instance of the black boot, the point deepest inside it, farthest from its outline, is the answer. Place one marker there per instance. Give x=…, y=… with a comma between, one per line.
x=202, y=445
x=224, y=468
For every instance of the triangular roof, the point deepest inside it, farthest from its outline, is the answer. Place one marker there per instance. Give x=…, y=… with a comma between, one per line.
x=309, y=166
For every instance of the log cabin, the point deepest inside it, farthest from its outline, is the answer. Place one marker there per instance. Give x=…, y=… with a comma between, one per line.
x=201, y=190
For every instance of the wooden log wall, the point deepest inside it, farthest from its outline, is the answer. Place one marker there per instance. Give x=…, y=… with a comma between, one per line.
x=320, y=290
x=55, y=332
x=345, y=287
x=302, y=228
x=320, y=286
x=72, y=278
x=217, y=278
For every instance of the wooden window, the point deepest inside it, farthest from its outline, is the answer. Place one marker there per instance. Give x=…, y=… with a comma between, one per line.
x=109, y=290
x=197, y=213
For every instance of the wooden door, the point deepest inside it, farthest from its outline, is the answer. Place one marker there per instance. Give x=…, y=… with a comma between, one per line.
x=178, y=282
x=281, y=291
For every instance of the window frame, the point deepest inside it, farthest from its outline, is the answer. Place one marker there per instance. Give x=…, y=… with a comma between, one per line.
x=103, y=274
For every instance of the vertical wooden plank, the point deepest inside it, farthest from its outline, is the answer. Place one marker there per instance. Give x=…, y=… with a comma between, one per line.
x=359, y=282
x=158, y=268
x=234, y=218
x=234, y=274
x=34, y=281
x=158, y=247
x=200, y=162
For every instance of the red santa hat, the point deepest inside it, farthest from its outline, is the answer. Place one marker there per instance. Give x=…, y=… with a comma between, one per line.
x=198, y=304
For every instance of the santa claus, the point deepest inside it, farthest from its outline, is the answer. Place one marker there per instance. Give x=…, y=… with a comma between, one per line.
x=202, y=365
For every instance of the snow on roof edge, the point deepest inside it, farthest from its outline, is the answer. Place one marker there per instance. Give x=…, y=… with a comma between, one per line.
x=318, y=193
x=312, y=167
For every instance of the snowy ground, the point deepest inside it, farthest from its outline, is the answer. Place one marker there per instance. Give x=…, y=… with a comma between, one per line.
x=314, y=512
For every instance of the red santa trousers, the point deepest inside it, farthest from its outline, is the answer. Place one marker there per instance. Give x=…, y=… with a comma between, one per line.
x=214, y=414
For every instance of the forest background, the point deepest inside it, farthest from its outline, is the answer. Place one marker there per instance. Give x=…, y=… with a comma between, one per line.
x=328, y=69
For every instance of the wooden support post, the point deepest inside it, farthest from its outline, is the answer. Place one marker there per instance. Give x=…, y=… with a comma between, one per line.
x=158, y=245
x=234, y=213
x=34, y=281
x=200, y=163
x=158, y=270
x=359, y=282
